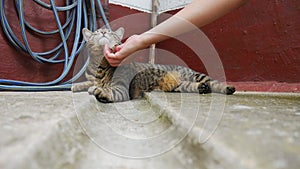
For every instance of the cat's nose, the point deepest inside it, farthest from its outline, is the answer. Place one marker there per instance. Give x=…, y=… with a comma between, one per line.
x=103, y=33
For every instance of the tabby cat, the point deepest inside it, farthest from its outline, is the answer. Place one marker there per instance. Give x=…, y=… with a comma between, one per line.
x=130, y=81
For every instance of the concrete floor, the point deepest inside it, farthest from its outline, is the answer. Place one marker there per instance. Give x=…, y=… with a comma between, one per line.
x=164, y=130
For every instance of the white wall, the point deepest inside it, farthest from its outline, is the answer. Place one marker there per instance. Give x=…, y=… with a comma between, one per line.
x=145, y=5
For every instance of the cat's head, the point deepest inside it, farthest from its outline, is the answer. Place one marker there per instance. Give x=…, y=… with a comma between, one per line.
x=103, y=36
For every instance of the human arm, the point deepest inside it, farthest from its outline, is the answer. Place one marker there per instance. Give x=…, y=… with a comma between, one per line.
x=195, y=15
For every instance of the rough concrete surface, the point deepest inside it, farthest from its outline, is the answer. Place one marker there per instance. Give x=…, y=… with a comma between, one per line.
x=164, y=130
x=249, y=130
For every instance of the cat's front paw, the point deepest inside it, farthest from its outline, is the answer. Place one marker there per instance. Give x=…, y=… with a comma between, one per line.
x=73, y=89
x=101, y=94
x=82, y=86
x=77, y=88
x=91, y=90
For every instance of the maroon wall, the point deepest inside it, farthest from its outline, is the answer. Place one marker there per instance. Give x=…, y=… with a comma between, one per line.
x=259, y=45
x=20, y=66
x=261, y=41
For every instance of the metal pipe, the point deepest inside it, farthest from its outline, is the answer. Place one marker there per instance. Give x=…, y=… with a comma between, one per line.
x=154, y=15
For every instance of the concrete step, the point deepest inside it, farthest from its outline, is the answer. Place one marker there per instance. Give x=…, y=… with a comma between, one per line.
x=62, y=130
x=245, y=130
x=39, y=130
x=132, y=135
x=173, y=130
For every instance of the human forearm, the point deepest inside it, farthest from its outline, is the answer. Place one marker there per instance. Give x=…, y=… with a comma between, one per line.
x=194, y=15
x=202, y=12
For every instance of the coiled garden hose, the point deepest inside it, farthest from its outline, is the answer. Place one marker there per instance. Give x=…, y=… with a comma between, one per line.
x=77, y=15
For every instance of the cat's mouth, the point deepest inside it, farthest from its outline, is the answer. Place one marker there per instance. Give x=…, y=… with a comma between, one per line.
x=103, y=41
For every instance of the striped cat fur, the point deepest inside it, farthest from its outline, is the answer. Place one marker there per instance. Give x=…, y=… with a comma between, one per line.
x=130, y=81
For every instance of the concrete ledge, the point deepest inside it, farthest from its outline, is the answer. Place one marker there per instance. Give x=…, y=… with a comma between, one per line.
x=39, y=130
x=245, y=130
x=254, y=130
x=267, y=86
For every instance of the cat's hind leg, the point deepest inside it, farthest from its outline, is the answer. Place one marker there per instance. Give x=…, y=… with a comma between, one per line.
x=219, y=87
x=152, y=79
x=214, y=85
x=192, y=87
x=169, y=81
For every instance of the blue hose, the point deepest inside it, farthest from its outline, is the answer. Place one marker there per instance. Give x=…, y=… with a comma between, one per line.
x=76, y=15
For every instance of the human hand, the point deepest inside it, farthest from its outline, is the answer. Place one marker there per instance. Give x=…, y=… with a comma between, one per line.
x=131, y=45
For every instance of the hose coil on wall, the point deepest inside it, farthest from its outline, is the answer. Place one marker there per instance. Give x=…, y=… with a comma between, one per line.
x=79, y=14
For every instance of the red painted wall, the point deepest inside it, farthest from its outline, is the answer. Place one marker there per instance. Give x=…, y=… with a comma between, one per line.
x=20, y=66
x=258, y=44
x=261, y=41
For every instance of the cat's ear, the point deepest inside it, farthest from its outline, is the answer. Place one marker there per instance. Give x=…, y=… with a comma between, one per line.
x=120, y=32
x=86, y=34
